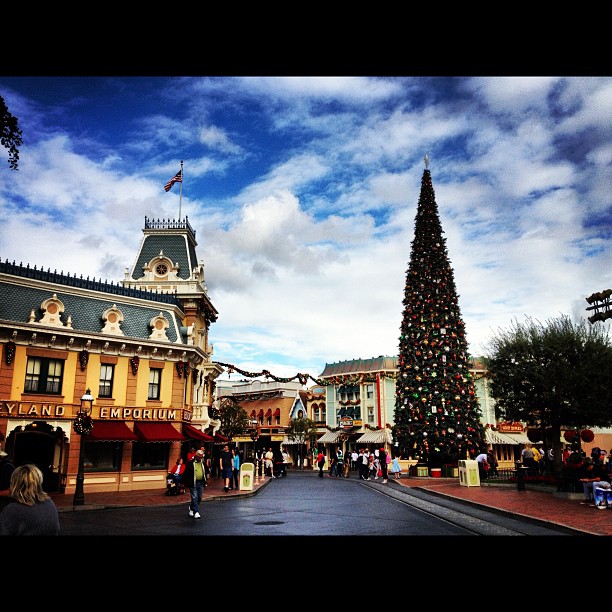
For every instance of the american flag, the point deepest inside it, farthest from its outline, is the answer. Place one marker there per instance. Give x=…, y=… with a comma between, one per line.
x=177, y=178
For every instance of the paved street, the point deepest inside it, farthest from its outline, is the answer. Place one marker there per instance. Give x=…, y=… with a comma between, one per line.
x=304, y=505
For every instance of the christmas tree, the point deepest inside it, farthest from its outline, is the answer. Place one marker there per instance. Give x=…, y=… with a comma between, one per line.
x=437, y=416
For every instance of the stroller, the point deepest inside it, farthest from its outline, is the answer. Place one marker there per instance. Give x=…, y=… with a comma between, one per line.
x=174, y=486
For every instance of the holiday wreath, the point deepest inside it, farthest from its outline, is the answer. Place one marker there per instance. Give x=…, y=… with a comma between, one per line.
x=83, y=424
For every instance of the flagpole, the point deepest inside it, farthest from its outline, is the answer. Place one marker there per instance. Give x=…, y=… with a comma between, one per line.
x=181, y=193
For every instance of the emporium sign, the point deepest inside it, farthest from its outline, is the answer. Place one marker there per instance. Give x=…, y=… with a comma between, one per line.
x=34, y=410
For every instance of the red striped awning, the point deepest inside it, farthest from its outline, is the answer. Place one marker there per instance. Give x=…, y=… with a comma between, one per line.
x=277, y=412
x=111, y=431
x=193, y=433
x=157, y=432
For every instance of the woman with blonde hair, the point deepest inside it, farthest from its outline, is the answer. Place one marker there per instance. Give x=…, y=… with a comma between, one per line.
x=31, y=511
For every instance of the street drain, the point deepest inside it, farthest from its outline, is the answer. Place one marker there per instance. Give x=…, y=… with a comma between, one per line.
x=269, y=523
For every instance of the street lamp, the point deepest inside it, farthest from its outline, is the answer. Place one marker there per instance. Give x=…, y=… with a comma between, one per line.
x=602, y=300
x=254, y=436
x=83, y=424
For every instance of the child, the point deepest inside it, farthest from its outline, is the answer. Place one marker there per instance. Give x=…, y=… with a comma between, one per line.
x=396, y=468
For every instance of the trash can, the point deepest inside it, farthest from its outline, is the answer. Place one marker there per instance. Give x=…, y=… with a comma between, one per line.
x=247, y=471
x=422, y=471
x=436, y=472
x=468, y=473
x=450, y=471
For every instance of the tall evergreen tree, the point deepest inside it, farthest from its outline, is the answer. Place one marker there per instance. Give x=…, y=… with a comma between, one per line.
x=437, y=415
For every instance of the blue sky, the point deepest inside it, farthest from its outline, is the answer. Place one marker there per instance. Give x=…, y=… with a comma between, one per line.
x=303, y=194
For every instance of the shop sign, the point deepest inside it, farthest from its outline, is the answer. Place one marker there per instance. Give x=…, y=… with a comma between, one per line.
x=510, y=427
x=35, y=410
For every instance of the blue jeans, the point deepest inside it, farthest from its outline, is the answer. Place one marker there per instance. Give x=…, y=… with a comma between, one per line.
x=196, y=495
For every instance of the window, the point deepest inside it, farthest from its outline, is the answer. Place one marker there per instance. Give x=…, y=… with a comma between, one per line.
x=370, y=391
x=150, y=455
x=106, y=380
x=154, y=381
x=102, y=456
x=43, y=375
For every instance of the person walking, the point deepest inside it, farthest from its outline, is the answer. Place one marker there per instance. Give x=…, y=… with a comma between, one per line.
x=347, y=465
x=333, y=468
x=29, y=510
x=362, y=463
x=321, y=462
x=194, y=478
x=384, y=464
x=269, y=467
x=340, y=462
x=286, y=457
x=354, y=459
x=235, y=467
x=226, y=467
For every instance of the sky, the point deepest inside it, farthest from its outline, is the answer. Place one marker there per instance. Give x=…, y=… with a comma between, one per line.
x=303, y=192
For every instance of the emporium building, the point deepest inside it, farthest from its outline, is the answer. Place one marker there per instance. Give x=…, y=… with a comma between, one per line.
x=140, y=347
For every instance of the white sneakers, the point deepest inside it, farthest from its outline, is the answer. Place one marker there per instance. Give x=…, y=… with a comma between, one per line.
x=191, y=513
x=197, y=515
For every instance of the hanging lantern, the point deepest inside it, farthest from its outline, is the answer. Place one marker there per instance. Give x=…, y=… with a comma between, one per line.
x=534, y=435
x=569, y=435
x=586, y=435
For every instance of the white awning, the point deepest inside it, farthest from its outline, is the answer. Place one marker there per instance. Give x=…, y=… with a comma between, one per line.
x=287, y=440
x=520, y=438
x=497, y=437
x=329, y=437
x=376, y=436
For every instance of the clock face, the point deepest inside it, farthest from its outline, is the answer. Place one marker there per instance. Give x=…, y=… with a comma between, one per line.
x=161, y=269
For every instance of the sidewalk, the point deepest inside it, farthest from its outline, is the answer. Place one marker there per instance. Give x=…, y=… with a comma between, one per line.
x=539, y=505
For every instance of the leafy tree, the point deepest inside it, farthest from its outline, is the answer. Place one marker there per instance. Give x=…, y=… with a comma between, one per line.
x=300, y=430
x=234, y=419
x=552, y=375
x=10, y=134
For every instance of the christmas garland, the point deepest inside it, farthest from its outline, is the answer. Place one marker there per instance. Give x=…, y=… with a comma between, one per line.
x=83, y=358
x=135, y=362
x=83, y=424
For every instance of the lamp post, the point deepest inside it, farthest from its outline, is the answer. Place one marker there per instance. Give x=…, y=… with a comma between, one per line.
x=82, y=425
x=254, y=437
x=602, y=300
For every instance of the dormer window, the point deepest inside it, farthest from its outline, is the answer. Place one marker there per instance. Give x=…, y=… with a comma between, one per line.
x=159, y=325
x=53, y=309
x=161, y=269
x=112, y=318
